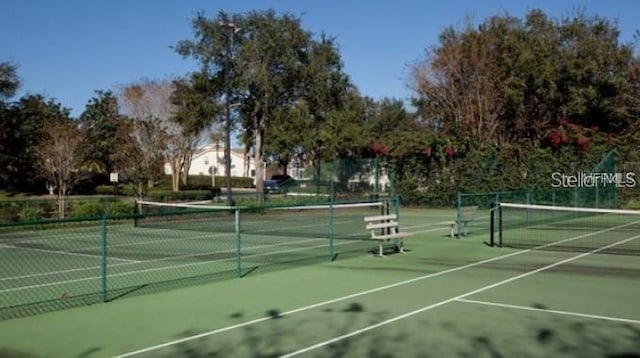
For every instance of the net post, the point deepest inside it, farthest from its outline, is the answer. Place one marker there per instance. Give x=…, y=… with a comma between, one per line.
x=136, y=214
x=491, y=223
x=499, y=224
x=238, y=244
x=396, y=204
x=330, y=229
x=103, y=257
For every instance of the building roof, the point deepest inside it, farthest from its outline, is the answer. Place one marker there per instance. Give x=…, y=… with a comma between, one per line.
x=212, y=148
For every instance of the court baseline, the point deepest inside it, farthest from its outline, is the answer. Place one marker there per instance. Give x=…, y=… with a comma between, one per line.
x=379, y=289
x=567, y=313
x=453, y=299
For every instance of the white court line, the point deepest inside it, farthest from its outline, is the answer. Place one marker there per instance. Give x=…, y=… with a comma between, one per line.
x=68, y=253
x=134, y=233
x=20, y=288
x=127, y=263
x=567, y=313
x=171, y=229
x=457, y=298
x=315, y=305
x=354, y=295
x=154, y=260
x=161, y=259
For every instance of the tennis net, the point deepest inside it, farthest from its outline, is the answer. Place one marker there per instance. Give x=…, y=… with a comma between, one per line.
x=565, y=228
x=337, y=221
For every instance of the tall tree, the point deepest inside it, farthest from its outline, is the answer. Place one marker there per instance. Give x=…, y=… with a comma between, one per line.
x=253, y=59
x=327, y=93
x=24, y=128
x=9, y=84
x=196, y=110
x=62, y=157
x=101, y=124
x=287, y=84
x=146, y=103
x=9, y=81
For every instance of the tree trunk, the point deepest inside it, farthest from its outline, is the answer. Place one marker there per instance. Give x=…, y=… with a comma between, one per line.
x=175, y=176
x=259, y=133
x=62, y=194
x=175, y=183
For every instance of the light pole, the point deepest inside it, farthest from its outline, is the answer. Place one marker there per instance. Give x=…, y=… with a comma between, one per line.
x=227, y=148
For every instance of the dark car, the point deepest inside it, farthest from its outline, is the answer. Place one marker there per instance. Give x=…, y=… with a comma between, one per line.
x=282, y=178
x=271, y=186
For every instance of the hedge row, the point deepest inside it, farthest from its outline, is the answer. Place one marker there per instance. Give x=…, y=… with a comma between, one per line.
x=42, y=209
x=196, y=182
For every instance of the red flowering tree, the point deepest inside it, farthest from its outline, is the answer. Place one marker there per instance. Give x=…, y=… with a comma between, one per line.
x=379, y=149
x=567, y=133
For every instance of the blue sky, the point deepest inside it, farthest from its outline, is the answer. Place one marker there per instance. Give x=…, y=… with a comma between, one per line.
x=67, y=49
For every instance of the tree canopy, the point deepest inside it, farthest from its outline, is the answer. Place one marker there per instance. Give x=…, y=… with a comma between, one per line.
x=495, y=105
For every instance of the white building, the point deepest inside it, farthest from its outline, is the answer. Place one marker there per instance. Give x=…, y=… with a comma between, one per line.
x=211, y=158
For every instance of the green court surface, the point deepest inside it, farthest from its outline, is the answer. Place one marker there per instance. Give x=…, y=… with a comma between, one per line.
x=444, y=298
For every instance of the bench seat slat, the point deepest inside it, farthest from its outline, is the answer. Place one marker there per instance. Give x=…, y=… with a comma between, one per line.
x=396, y=235
x=380, y=218
x=383, y=225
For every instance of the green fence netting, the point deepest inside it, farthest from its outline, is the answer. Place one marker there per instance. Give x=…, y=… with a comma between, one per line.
x=48, y=265
x=595, y=187
x=345, y=179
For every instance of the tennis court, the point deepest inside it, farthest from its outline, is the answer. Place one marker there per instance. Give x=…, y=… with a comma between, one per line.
x=446, y=297
x=103, y=260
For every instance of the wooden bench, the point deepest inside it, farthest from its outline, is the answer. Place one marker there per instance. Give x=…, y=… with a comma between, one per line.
x=384, y=228
x=467, y=215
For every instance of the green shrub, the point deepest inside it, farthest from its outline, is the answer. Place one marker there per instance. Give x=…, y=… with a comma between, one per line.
x=119, y=207
x=109, y=189
x=633, y=204
x=188, y=195
x=30, y=213
x=86, y=209
x=241, y=182
x=9, y=211
x=95, y=208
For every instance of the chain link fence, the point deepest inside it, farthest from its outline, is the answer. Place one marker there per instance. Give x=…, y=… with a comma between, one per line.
x=54, y=264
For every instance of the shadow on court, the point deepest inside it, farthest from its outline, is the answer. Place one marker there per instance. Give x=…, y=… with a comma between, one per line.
x=459, y=330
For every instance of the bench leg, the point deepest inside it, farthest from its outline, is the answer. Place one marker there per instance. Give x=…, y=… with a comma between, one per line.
x=400, y=245
x=380, y=249
x=453, y=233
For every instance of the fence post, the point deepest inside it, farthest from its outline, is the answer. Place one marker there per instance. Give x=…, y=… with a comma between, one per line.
x=331, y=252
x=396, y=203
x=376, y=169
x=238, y=244
x=103, y=238
x=458, y=213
